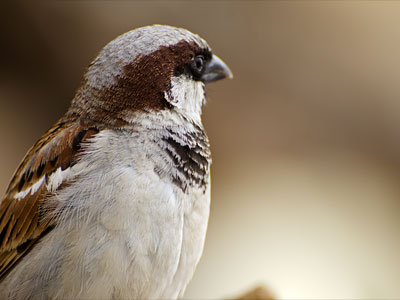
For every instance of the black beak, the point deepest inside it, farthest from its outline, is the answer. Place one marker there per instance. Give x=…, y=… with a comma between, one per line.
x=215, y=70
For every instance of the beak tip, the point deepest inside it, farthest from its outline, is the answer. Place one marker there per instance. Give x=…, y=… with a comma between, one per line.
x=217, y=70
x=229, y=74
x=225, y=69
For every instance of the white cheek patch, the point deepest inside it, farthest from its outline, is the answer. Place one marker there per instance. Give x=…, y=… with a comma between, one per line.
x=124, y=49
x=187, y=96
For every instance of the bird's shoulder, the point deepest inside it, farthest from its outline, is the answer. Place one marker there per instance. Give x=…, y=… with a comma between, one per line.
x=25, y=212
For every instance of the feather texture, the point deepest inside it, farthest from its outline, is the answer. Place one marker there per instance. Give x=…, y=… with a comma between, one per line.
x=113, y=201
x=25, y=216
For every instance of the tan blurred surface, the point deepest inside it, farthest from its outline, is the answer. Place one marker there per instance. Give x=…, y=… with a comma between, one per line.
x=305, y=139
x=258, y=293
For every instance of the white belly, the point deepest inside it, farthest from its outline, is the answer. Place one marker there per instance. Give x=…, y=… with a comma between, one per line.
x=127, y=233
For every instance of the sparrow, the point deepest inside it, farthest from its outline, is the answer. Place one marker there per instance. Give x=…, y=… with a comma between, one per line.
x=113, y=201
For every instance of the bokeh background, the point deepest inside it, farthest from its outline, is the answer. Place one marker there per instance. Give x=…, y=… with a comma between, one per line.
x=305, y=139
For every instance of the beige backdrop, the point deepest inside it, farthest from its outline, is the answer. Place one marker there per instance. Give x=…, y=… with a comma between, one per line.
x=305, y=139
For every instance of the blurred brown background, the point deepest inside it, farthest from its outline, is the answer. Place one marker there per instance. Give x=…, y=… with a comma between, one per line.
x=305, y=139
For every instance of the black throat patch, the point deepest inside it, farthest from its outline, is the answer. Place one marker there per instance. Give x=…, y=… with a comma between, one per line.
x=189, y=154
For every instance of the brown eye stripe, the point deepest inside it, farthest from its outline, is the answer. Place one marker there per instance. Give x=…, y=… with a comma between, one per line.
x=136, y=89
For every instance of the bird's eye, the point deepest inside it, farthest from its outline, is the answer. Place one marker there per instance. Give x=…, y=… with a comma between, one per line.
x=198, y=64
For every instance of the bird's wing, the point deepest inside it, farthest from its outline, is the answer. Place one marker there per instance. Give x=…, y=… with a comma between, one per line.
x=24, y=215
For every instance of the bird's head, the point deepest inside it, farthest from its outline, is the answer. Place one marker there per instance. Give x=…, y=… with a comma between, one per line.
x=146, y=70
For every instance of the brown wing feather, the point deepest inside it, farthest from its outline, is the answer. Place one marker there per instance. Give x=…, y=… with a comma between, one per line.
x=23, y=221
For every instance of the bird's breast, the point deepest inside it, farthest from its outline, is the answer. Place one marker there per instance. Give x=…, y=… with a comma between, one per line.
x=144, y=231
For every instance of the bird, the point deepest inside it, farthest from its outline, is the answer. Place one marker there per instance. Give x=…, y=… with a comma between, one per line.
x=113, y=201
